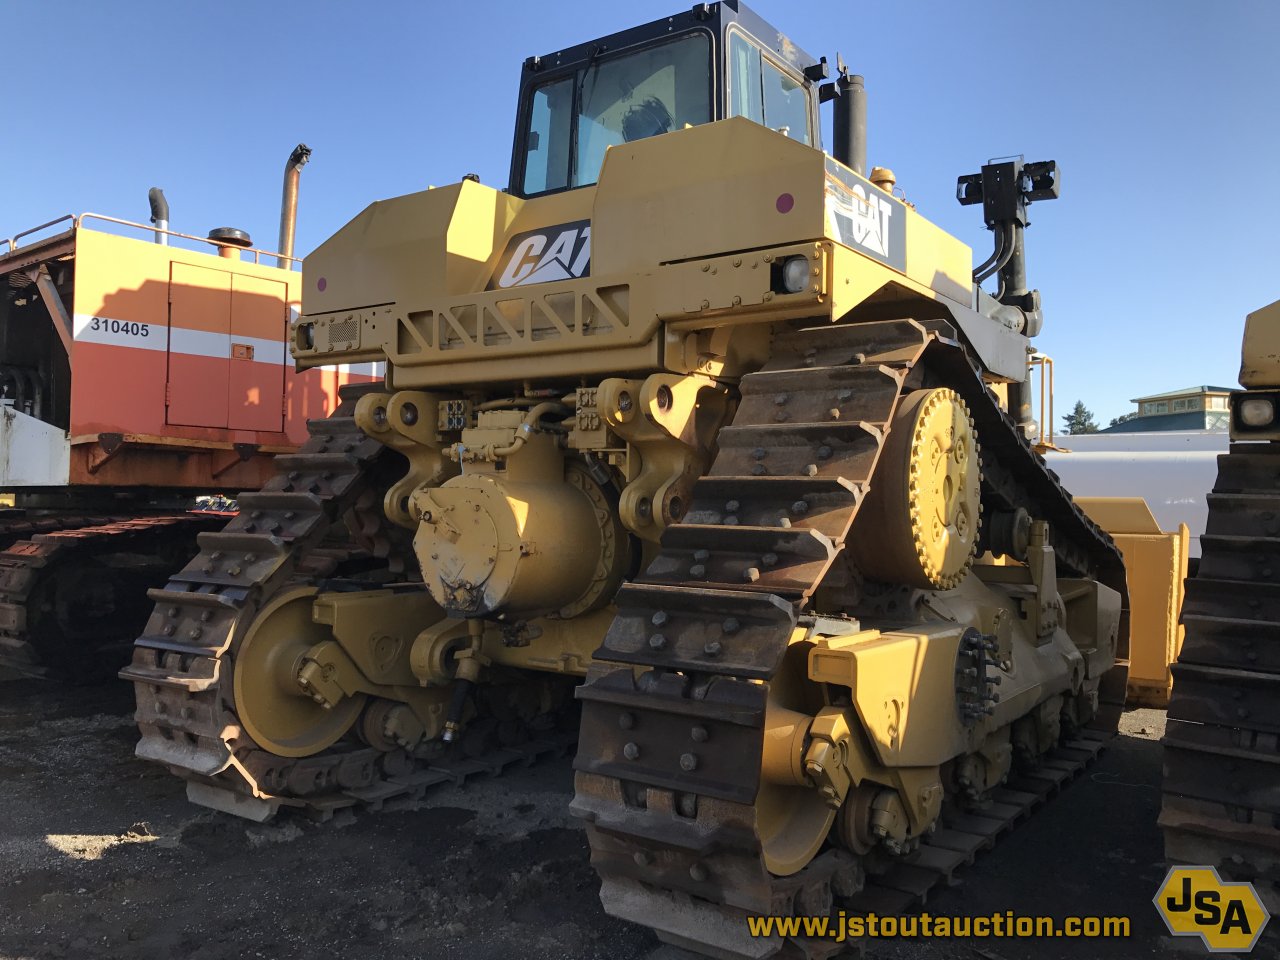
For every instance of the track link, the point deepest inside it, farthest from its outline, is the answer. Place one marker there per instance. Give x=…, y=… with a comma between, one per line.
x=68, y=591
x=299, y=529
x=672, y=826
x=1221, y=802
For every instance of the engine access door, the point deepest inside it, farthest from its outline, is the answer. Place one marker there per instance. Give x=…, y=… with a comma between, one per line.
x=226, y=350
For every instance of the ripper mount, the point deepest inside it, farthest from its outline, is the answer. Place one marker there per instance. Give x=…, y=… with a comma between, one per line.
x=1004, y=189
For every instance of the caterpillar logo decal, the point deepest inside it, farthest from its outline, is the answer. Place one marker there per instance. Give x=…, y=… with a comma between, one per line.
x=560, y=252
x=1226, y=916
x=866, y=218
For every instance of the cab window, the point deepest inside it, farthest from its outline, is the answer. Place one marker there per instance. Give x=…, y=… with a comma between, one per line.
x=761, y=91
x=613, y=100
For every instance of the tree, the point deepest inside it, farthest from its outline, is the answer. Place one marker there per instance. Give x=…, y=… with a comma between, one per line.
x=1123, y=418
x=1080, y=420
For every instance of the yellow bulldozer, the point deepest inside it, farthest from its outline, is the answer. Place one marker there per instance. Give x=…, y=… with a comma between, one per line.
x=697, y=441
x=1221, y=805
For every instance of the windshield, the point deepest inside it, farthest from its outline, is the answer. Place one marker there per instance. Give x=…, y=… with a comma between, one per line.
x=630, y=97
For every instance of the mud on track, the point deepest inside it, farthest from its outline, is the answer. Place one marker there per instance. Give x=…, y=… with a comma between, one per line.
x=101, y=856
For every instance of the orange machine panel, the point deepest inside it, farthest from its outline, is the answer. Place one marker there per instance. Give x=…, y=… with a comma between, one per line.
x=199, y=346
x=259, y=325
x=185, y=354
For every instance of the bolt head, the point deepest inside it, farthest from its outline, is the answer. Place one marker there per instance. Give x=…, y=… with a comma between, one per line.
x=712, y=648
x=688, y=762
x=699, y=734
x=631, y=751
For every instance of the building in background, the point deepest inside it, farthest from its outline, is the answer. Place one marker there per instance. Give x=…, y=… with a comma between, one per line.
x=1192, y=408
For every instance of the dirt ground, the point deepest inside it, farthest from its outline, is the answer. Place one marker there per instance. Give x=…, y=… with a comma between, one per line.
x=101, y=856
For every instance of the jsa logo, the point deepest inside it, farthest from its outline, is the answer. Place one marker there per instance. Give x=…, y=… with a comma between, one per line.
x=1226, y=916
x=562, y=252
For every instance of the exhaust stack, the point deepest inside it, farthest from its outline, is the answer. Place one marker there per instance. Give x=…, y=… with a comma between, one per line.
x=159, y=214
x=849, y=125
x=289, y=202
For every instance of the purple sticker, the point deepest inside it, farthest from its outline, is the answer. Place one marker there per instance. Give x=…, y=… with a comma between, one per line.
x=785, y=202
x=322, y=282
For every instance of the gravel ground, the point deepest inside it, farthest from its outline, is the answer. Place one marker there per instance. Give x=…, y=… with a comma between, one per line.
x=103, y=857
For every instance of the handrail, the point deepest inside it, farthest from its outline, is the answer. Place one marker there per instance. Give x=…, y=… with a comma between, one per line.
x=13, y=241
x=78, y=219
x=1045, y=363
x=257, y=252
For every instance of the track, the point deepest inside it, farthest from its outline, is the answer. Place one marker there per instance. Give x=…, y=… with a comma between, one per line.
x=319, y=518
x=72, y=586
x=1222, y=744
x=673, y=827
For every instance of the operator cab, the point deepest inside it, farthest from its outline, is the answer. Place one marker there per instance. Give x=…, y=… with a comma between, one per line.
x=715, y=61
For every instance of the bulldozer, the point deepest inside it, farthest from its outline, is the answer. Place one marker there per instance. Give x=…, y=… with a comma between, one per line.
x=1220, y=805
x=698, y=445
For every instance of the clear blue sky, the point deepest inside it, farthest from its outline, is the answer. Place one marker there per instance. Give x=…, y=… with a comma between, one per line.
x=1162, y=115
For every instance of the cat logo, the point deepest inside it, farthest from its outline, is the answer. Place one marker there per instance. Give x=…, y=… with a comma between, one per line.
x=562, y=252
x=1196, y=902
x=864, y=217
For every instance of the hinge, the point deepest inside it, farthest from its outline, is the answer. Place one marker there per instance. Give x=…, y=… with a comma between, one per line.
x=284, y=405
x=166, y=394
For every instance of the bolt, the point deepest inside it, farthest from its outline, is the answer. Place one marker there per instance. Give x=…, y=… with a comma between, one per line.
x=641, y=858
x=688, y=762
x=698, y=872
x=408, y=414
x=769, y=559
x=216, y=555
x=659, y=618
x=701, y=555
x=844, y=395
x=800, y=507
x=169, y=629
x=712, y=648
x=824, y=452
x=759, y=453
x=780, y=399
x=751, y=574
x=699, y=734
x=730, y=625
x=173, y=611
x=631, y=751
x=698, y=570
x=834, y=413
x=206, y=616
x=811, y=470
x=626, y=720
x=758, y=470
x=732, y=506
x=657, y=641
